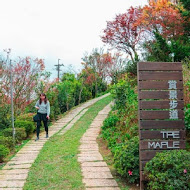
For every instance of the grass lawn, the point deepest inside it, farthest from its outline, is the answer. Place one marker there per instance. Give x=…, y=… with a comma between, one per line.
x=56, y=166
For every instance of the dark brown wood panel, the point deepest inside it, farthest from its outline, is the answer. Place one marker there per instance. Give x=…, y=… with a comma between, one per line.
x=142, y=165
x=159, y=95
x=159, y=114
x=144, y=145
x=153, y=92
x=149, y=154
x=142, y=176
x=159, y=66
x=158, y=85
x=159, y=104
x=159, y=135
x=160, y=75
x=151, y=124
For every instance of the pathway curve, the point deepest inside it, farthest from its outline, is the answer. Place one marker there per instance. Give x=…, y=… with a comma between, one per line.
x=96, y=173
x=15, y=172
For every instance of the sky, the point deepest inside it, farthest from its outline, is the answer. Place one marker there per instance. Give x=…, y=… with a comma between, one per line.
x=57, y=29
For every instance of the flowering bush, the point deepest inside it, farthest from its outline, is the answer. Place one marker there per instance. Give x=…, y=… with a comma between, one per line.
x=169, y=170
x=126, y=159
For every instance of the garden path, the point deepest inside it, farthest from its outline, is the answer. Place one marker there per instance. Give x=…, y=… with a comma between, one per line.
x=15, y=172
x=96, y=174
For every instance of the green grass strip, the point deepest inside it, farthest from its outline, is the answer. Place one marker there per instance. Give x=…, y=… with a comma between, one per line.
x=56, y=167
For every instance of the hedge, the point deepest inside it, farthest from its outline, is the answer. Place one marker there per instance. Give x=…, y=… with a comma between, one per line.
x=27, y=125
x=7, y=141
x=4, y=151
x=20, y=134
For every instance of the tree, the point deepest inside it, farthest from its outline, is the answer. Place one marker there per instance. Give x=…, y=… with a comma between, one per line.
x=123, y=34
x=88, y=79
x=26, y=74
x=158, y=49
x=186, y=15
x=117, y=67
x=162, y=17
x=66, y=96
x=186, y=4
x=164, y=32
x=103, y=67
x=96, y=65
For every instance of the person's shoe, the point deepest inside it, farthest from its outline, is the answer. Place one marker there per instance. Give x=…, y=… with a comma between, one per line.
x=47, y=136
x=37, y=138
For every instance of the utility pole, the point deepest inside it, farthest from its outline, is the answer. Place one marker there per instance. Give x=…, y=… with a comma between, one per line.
x=58, y=69
x=12, y=103
x=11, y=92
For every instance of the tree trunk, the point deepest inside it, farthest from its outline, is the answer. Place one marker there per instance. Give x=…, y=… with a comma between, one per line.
x=80, y=93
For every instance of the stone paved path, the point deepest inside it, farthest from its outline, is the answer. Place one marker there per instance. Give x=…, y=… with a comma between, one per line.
x=15, y=172
x=96, y=174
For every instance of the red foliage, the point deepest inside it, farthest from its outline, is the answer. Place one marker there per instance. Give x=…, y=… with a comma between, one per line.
x=103, y=66
x=162, y=16
x=122, y=33
x=26, y=73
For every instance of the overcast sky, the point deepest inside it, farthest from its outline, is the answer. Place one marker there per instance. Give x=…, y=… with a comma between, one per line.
x=52, y=29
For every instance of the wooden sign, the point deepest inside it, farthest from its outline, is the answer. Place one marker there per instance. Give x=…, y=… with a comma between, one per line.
x=161, y=115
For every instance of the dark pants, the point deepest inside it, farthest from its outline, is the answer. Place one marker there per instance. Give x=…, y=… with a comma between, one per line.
x=43, y=117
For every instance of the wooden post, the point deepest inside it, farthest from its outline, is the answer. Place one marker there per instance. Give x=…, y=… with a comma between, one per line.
x=160, y=112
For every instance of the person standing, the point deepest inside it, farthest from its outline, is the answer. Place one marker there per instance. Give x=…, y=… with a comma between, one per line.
x=43, y=107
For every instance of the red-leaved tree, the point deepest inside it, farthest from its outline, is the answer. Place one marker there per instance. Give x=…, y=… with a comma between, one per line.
x=123, y=34
x=26, y=74
x=163, y=17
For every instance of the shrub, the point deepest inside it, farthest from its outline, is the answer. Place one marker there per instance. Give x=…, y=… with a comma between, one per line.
x=187, y=117
x=26, y=117
x=53, y=99
x=27, y=125
x=110, y=122
x=29, y=109
x=20, y=133
x=109, y=131
x=124, y=93
x=5, y=120
x=169, y=170
x=85, y=95
x=120, y=95
x=4, y=151
x=7, y=141
x=126, y=160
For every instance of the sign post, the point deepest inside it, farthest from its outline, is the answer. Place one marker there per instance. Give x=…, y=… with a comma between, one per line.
x=161, y=116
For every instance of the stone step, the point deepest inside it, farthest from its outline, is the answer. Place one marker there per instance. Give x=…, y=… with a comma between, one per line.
x=100, y=183
x=93, y=164
x=97, y=175
x=96, y=169
x=11, y=177
x=22, y=166
x=13, y=171
x=11, y=184
x=103, y=188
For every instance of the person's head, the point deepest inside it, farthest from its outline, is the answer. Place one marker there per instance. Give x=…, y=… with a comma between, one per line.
x=43, y=98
